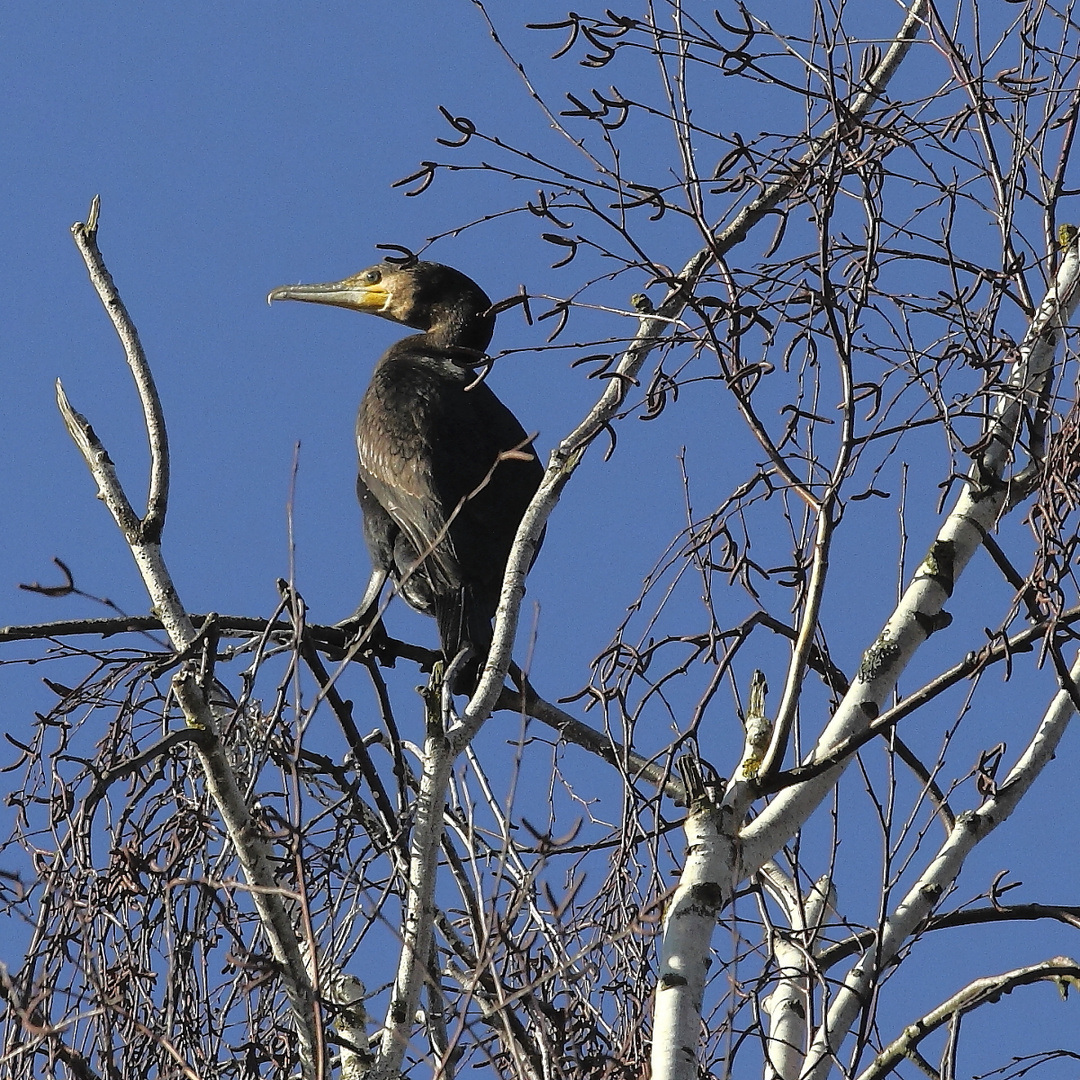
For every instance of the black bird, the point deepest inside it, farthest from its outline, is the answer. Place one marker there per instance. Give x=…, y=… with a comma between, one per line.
x=446, y=471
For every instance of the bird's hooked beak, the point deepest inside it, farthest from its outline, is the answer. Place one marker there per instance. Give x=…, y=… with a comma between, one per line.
x=354, y=293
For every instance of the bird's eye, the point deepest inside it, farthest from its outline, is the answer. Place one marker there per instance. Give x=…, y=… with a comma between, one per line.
x=372, y=277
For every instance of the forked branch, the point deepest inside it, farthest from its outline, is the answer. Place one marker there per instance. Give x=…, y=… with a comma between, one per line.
x=143, y=537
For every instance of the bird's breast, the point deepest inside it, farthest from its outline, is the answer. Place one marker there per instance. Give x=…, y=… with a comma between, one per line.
x=401, y=417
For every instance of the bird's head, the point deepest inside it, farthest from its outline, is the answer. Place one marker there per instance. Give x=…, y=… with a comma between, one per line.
x=427, y=296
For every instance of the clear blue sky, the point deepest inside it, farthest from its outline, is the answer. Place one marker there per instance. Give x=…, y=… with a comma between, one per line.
x=238, y=147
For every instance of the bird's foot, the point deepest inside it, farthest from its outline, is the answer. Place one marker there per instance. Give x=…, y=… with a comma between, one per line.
x=368, y=636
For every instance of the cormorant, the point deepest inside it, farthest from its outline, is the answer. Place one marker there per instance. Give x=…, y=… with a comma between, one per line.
x=446, y=471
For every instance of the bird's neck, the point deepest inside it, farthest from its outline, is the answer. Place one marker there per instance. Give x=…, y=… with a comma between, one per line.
x=455, y=328
x=449, y=355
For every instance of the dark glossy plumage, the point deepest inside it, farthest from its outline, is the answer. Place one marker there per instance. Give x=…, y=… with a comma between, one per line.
x=440, y=506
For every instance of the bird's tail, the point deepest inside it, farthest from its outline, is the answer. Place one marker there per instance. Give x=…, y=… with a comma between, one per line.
x=462, y=621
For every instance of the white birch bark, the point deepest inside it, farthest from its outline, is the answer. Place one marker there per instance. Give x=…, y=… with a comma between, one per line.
x=918, y=614
x=970, y=828
x=986, y=991
x=974, y=515
x=788, y=1006
x=143, y=537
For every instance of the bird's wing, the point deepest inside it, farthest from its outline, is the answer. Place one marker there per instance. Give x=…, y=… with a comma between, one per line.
x=430, y=454
x=483, y=495
x=396, y=451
